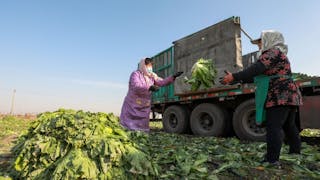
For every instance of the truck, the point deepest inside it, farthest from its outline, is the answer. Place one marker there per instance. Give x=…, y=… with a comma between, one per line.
x=222, y=109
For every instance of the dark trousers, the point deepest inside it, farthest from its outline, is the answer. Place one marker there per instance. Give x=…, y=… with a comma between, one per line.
x=281, y=118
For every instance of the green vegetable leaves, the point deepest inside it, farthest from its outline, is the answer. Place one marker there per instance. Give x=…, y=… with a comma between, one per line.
x=69, y=144
x=203, y=73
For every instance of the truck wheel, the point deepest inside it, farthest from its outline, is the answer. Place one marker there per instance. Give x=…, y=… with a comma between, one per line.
x=208, y=120
x=244, y=123
x=176, y=119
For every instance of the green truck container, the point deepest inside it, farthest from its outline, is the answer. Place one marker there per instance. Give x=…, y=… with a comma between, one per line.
x=221, y=109
x=163, y=66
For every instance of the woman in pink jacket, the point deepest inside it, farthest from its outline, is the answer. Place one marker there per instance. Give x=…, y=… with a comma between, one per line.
x=137, y=103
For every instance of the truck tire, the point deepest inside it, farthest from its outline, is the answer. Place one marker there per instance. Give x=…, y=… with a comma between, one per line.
x=176, y=119
x=244, y=123
x=208, y=120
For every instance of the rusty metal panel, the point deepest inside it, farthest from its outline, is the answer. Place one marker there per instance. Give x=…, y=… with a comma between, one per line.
x=220, y=42
x=212, y=90
x=310, y=112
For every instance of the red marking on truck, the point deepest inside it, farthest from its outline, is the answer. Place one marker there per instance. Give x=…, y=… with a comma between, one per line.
x=298, y=84
x=248, y=91
x=195, y=97
x=188, y=98
x=212, y=94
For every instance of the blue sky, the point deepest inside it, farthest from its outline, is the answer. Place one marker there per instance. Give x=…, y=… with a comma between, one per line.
x=79, y=54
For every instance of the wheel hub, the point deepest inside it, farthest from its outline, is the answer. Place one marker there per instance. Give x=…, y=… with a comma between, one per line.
x=206, y=121
x=173, y=120
x=250, y=124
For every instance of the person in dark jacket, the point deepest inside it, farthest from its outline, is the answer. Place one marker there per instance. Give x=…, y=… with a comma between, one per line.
x=283, y=95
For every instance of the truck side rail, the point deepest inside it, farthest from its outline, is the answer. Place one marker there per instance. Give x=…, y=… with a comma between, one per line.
x=309, y=82
x=239, y=89
x=222, y=91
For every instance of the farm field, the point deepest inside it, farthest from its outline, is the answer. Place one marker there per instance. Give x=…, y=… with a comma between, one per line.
x=175, y=156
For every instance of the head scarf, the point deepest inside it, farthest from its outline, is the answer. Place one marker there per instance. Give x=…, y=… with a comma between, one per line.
x=273, y=39
x=143, y=68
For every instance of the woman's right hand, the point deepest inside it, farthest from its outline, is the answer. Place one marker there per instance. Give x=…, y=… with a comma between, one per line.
x=177, y=74
x=153, y=88
x=227, y=79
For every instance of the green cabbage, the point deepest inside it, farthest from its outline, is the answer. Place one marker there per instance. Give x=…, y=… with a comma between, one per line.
x=203, y=74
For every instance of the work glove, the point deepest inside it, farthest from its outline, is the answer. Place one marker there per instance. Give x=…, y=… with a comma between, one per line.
x=153, y=88
x=177, y=74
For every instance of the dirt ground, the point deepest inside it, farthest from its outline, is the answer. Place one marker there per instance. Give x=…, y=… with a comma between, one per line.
x=10, y=129
x=5, y=155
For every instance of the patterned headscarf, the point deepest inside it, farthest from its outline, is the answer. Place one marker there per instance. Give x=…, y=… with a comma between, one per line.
x=273, y=39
